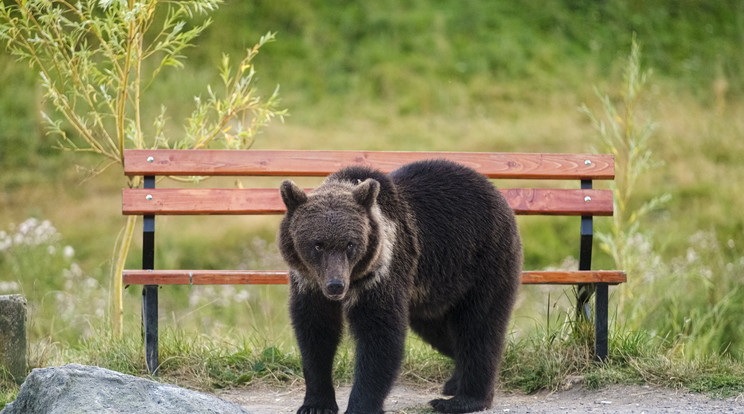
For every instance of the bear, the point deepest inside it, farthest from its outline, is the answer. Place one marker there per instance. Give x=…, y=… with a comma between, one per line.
x=432, y=245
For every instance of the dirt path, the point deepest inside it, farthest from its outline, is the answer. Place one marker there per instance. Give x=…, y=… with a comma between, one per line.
x=407, y=399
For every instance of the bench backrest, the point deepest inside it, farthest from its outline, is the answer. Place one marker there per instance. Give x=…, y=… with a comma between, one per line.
x=149, y=202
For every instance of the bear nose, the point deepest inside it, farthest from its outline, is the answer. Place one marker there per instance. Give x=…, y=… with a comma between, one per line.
x=335, y=287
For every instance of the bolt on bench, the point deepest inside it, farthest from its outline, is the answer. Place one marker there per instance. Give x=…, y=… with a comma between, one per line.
x=149, y=202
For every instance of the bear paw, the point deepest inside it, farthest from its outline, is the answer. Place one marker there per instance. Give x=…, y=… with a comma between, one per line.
x=459, y=404
x=317, y=410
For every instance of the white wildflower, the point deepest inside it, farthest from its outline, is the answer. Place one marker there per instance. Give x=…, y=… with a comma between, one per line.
x=194, y=298
x=100, y=305
x=30, y=233
x=242, y=296
x=5, y=241
x=707, y=273
x=27, y=226
x=6, y=287
x=73, y=272
x=692, y=255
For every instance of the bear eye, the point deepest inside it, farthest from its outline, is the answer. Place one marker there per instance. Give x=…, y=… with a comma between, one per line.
x=350, y=247
x=318, y=247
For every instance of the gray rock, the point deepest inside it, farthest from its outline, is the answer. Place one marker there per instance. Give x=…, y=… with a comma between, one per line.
x=83, y=389
x=13, y=336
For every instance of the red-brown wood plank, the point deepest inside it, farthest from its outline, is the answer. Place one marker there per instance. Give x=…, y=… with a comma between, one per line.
x=612, y=277
x=240, y=277
x=195, y=201
x=322, y=163
x=205, y=277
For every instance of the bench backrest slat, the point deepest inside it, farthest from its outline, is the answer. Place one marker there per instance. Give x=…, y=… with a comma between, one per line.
x=281, y=277
x=322, y=163
x=193, y=201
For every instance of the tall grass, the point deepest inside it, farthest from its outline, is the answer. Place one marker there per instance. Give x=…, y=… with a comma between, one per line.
x=689, y=301
x=703, y=318
x=625, y=129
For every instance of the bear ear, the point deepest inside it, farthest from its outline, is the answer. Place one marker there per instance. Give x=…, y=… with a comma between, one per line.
x=366, y=192
x=292, y=195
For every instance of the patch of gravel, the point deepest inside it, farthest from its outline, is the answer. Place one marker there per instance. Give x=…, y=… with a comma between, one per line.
x=412, y=399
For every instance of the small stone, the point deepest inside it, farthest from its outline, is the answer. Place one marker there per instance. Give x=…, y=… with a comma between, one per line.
x=13, y=336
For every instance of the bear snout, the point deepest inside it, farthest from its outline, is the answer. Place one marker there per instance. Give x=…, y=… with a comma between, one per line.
x=334, y=272
x=335, y=289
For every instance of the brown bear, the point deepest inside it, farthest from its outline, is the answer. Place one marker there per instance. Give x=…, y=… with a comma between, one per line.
x=432, y=245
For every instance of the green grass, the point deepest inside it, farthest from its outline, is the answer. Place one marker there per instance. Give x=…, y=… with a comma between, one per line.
x=544, y=360
x=8, y=393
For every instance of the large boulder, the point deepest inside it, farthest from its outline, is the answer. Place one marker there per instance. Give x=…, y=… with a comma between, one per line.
x=83, y=389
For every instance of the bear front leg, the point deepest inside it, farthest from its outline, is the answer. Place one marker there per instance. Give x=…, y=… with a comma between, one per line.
x=318, y=325
x=380, y=332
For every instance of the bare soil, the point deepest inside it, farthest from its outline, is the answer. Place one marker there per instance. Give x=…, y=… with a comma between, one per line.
x=412, y=399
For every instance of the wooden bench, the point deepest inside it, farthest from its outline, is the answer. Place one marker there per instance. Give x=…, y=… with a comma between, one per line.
x=149, y=202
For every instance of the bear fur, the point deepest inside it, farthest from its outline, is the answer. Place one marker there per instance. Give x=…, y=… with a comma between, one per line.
x=432, y=245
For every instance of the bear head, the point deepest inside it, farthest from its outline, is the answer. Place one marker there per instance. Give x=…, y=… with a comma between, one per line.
x=330, y=237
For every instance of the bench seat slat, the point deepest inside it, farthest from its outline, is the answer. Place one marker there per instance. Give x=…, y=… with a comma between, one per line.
x=322, y=163
x=196, y=201
x=279, y=277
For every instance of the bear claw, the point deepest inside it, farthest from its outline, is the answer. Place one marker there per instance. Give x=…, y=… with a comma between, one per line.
x=458, y=405
x=317, y=410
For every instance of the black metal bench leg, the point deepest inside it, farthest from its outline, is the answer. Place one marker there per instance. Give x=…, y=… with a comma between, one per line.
x=149, y=292
x=150, y=326
x=600, y=321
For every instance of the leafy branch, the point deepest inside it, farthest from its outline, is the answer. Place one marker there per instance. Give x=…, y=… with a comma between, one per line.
x=92, y=58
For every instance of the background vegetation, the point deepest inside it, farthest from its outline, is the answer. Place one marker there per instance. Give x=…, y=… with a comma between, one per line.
x=417, y=75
